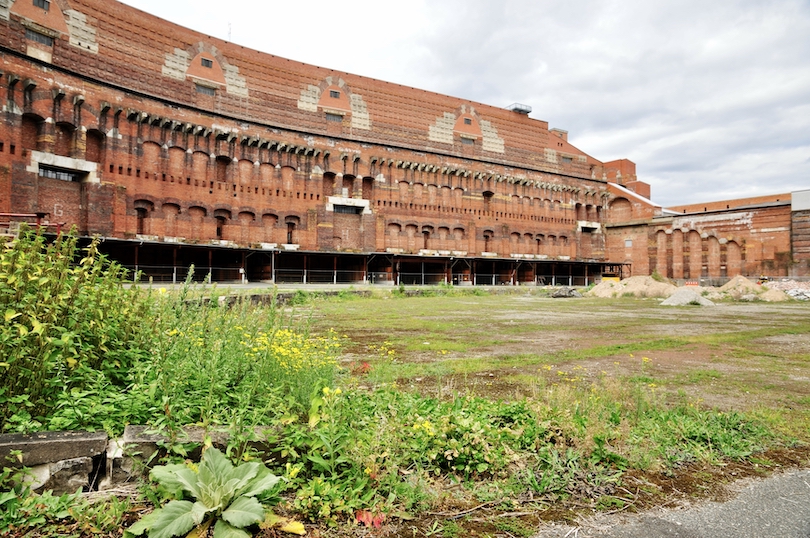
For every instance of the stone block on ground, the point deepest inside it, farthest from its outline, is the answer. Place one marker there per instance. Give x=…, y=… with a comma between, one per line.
x=48, y=447
x=65, y=476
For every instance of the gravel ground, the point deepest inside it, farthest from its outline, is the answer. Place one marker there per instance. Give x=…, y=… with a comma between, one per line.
x=774, y=507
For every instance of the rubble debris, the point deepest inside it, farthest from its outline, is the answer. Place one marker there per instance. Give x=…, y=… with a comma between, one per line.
x=687, y=296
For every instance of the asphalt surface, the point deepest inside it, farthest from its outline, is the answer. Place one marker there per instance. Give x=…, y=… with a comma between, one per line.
x=774, y=507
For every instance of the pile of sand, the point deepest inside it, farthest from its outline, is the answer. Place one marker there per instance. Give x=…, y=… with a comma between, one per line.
x=740, y=286
x=639, y=286
x=687, y=296
x=773, y=296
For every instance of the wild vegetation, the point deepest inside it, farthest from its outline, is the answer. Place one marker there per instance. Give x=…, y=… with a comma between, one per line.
x=428, y=415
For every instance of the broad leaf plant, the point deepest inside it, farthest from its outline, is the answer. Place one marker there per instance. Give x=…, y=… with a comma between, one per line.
x=224, y=496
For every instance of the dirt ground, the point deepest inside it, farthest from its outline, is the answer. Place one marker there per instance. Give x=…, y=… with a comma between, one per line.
x=745, y=355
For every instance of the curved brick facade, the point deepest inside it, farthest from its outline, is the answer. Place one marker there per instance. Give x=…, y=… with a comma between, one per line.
x=180, y=148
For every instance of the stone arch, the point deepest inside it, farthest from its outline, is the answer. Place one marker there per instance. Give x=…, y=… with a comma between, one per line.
x=293, y=224
x=143, y=209
x=620, y=210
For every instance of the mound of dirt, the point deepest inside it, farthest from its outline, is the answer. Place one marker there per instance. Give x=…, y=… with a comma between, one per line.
x=687, y=296
x=639, y=286
x=774, y=296
x=739, y=286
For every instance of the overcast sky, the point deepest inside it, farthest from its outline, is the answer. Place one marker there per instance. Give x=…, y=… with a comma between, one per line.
x=710, y=98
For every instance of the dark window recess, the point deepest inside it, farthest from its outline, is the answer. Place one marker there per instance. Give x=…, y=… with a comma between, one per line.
x=205, y=90
x=567, y=160
x=60, y=173
x=206, y=62
x=348, y=209
x=468, y=141
x=39, y=38
x=334, y=117
x=44, y=4
x=334, y=93
x=467, y=121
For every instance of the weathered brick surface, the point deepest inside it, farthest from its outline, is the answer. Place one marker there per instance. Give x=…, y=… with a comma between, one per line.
x=187, y=138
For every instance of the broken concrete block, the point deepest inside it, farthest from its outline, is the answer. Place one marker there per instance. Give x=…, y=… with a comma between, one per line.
x=64, y=476
x=47, y=447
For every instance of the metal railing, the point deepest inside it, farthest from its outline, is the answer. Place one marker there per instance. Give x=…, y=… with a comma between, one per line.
x=177, y=273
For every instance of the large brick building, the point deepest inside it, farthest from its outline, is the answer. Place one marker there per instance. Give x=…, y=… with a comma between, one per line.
x=178, y=148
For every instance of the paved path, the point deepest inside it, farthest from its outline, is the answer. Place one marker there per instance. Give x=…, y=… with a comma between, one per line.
x=774, y=507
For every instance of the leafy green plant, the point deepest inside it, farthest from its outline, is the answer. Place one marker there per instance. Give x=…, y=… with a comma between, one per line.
x=66, y=313
x=225, y=496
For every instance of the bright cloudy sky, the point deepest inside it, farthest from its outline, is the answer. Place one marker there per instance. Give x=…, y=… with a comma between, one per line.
x=710, y=99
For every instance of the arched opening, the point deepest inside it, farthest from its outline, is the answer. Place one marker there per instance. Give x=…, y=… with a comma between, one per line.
x=141, y=214
x=292, y=230
x=95, y=145
x=488, y=195
x=221, y=216
x=31, y=125
x=63, y=144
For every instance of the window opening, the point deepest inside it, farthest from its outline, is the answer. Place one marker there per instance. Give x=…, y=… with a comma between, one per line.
x=220, y=224
x=141, y=227
x=205, y=90
x=290, y=230
x=467, y=121
x=60, y=173
x=334, y=117
x=348, y=209
x=44, y=4
x=39, y=38
x=467, y=141
x=206, y=62
x=334, y=94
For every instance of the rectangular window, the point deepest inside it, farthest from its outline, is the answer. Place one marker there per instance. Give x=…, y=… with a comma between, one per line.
x=207, y=63
x=334, y=94
x=39, y=38
x=628, y=243
x=567, y=160
x=467, y=141
x=348, y=209
x=61, y=174
x=205, y=90
x=467, y=121
x=44, y=4
x=334, y=117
